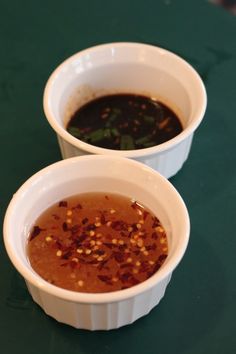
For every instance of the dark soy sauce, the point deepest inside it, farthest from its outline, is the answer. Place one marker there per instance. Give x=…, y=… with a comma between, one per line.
x=124, y=122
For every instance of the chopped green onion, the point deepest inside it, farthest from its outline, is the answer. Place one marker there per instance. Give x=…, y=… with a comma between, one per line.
x=115, y=132
x=96, y=135
x=149, y=119
x=143, y=140
x=126, y=142
x=74, y=131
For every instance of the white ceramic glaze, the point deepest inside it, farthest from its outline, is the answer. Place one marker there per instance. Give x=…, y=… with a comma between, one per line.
x=127, y=67
x=96, y=173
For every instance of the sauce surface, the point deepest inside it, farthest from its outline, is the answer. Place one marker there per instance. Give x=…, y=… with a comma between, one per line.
x=97, y=242
x=124, y=122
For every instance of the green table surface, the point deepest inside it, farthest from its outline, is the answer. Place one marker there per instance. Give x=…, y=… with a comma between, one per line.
x=197, y=314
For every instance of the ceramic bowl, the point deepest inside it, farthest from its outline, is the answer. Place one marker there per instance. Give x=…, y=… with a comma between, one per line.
x=127, y=68
x=96, y=173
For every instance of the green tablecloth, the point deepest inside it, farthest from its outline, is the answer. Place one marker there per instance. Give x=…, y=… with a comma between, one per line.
x=197, y=314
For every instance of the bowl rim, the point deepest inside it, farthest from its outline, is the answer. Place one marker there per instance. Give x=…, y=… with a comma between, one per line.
x=89, y=148
x=92, y=298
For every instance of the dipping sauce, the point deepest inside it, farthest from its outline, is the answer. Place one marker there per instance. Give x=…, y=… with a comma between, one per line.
x=124, y=122
x=97, y=242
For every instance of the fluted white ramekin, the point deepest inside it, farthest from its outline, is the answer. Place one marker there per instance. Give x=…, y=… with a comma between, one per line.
x=127, y=68
x=86, y=174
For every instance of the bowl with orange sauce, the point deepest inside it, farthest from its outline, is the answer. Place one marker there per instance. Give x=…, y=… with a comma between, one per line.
x=96, y=239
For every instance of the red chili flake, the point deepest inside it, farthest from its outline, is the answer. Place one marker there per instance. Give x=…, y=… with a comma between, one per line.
x=35, y=232
x=122, y=247
x=125, y=277
x=156, y=222
x=94, y=261
x=137, y=252
x=118, y=225
x=144, y=267
x=102, y=264
x=134, y=226
x=85, y=220
x=58, y=244
x=109, y=244
x=105, y=278
x=64, y=264
x=81, y=238
x=145, y=214
x=162, y=257
x=125, y=265
x=99, y=252
x=79, y=206
x=90, y=227
x=155, y=235
x=119, y=257
x=155, y=268
x=151, y=247
x=75, y=228
x=56, y=217
x=103, y=219
x=66, y=255
x=65, y=226
x=63, y=203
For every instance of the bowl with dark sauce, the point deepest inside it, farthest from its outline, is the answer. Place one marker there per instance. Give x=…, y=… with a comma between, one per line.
x=126, y=99
x=96, y=239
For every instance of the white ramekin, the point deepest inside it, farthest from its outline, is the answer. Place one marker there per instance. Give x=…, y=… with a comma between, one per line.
x=85, y=174
x=127, y=67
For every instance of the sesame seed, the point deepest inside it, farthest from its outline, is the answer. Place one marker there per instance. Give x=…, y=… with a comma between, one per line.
x=151, y=262
x=121, y=242
x=114, y=279
x=59, y=253
x=130, y=228
x=112, y=211
x=91, y=233
x=139, y=212
x=146, y=253
x=140, y=242
x=132, y=241
x=88, y=251
x=136, y=237
x=129, y=260
x=80, y=283
x=164, y=249
x=135, y=271
x=73, y=275
x=138, y=263
x=159, y=229
x=69, y=221
x=138, y=226
x=141, y=221
x=162, y=240
x=95, y=248
x=69, y=212
x=143, y=249
x=99, y=234
x=79, y=250
x=99, y=243
x=75, y=260
x=48, y=238
x=92, y=242
x=114, y=240
x=100, y=258
x=97, y=224
x=108, y=223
